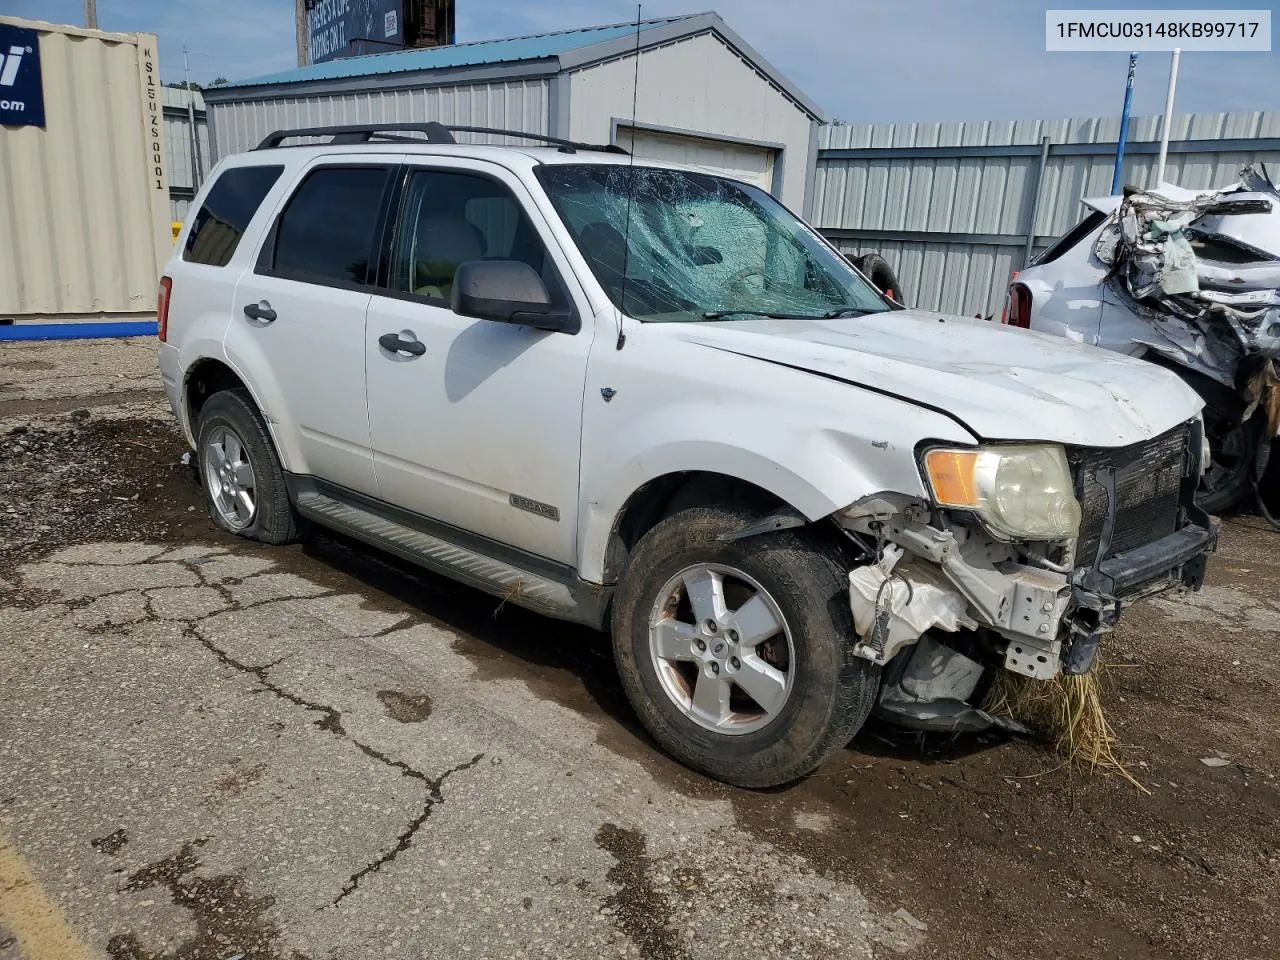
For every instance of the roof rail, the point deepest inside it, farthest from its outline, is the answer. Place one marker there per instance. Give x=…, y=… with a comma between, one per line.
x=434, y=132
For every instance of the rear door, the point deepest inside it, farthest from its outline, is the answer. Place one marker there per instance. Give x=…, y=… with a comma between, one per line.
x=301, y=311
x=482, y=431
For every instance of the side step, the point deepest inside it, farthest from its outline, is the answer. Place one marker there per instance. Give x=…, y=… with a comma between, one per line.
x=564, y=599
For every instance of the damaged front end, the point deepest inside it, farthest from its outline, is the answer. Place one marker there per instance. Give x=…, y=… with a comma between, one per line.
x=953, y=590
x=1203, y=269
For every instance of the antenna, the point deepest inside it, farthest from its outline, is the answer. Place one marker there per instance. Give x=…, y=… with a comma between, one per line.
x=631, y=185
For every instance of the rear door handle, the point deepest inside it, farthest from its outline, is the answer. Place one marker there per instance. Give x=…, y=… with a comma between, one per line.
x=394, y=343
x=260, y=311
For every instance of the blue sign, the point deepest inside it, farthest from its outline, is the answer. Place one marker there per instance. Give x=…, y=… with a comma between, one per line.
x=21, y=92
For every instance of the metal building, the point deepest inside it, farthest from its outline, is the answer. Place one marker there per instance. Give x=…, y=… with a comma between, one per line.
x=189, y=160
x=957, y=207
x=84, y=196
x=703, y=97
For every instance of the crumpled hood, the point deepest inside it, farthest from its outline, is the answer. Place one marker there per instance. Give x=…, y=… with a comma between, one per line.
x=1003, y=383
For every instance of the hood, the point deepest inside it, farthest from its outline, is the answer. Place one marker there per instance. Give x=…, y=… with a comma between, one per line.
x=1002, y=383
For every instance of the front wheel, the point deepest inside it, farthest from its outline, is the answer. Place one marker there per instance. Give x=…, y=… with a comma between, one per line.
x=738, y=654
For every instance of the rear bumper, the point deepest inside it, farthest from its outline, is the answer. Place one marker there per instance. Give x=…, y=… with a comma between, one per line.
x=170, y=363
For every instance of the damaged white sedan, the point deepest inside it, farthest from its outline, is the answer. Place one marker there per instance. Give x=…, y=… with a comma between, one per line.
x=1188, y=280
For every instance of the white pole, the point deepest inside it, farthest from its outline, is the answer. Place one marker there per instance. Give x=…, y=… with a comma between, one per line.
x=196, y=163
x=1168, y=115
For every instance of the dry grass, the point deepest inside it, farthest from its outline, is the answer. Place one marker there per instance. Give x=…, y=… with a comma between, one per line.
x=1068, y=712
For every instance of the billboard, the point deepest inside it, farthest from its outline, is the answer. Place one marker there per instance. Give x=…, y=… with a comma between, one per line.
x=349, y=28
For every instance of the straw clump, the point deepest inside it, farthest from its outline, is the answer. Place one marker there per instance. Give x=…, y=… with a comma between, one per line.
x=1068, y=712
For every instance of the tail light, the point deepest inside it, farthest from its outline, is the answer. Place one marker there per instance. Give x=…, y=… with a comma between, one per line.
x=1019, y=306
x=162, y=307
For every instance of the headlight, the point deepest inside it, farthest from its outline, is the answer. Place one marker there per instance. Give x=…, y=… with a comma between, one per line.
x=1022, y=492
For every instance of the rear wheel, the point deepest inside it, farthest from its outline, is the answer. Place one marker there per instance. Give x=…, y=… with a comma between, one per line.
x=241, y=475
x=738, y=655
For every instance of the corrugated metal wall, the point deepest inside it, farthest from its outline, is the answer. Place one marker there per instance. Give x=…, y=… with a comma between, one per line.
x=84, y=202
x=949, y=204
x=514, y=105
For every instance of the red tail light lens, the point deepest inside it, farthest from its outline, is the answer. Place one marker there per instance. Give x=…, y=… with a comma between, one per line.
x=1019, y=306
x=162, y=307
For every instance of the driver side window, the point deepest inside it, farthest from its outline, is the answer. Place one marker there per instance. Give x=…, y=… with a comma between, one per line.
x=450, y=217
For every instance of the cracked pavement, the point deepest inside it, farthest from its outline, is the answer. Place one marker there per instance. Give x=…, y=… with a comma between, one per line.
x=245, y=735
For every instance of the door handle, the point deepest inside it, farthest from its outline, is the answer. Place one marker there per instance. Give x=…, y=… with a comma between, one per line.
x=394, y=343
x=260, y=311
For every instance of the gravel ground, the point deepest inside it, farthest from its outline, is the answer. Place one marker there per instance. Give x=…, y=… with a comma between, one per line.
x=210, y=748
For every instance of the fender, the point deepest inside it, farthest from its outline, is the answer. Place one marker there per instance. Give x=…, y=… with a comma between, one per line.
x=811, y=465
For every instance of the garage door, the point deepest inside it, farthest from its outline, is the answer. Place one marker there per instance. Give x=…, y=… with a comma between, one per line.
x=752, y=164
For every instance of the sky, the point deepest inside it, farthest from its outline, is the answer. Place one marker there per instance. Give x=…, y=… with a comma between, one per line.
x=860, y=60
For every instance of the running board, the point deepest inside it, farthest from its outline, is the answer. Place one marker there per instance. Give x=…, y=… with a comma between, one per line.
x=577, y=601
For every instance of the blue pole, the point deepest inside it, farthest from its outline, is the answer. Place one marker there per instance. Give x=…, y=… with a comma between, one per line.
x=1124, y=125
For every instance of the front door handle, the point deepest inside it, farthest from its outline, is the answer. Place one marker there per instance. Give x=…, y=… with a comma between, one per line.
x=394, y=343
x=260, y=311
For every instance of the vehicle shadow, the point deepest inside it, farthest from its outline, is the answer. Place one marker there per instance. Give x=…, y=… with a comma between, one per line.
x=562, y=660
x=571, y=664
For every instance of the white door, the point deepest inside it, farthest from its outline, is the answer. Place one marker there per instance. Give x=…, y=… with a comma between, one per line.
x=482, y=429
x=303, y=306
x=743, y=161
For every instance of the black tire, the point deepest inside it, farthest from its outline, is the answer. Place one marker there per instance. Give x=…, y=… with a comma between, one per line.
x=832, y=690
x=877, y=270
x=1233, y=464
x=273, y=519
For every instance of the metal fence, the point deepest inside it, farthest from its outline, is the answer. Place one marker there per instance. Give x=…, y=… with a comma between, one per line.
x=957, y=207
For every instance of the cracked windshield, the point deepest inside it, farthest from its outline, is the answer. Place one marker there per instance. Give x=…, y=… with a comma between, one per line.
x=700, y=248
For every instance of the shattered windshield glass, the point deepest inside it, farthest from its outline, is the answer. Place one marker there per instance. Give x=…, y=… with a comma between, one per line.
x=699, y=247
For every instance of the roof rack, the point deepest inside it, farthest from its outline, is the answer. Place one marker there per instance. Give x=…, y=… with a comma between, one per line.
x=433, y=131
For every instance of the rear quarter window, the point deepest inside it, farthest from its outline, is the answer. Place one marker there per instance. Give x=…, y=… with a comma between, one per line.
x=226, y=213
x=1070, y=238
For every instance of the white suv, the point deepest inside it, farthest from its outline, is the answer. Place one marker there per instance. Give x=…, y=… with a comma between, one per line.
x=652, y=400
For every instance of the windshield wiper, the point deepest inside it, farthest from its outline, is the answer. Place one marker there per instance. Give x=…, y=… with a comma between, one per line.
x=771, y=314
x=846, y=312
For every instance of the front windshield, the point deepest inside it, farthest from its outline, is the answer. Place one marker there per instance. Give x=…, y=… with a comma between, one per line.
x=699, y=247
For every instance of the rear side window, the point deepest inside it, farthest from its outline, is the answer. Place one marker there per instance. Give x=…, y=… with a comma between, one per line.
x=226, y=213
x=326, y=233
x=1071, y=238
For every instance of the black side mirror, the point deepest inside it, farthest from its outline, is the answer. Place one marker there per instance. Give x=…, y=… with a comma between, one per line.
x=508, y=291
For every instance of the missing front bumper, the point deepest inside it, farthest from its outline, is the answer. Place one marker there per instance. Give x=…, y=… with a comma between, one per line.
x=1043, y=622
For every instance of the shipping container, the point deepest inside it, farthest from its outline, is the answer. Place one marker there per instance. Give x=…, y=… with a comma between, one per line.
x=84, y=196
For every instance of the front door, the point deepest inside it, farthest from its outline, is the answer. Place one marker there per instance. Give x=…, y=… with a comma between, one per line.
x=482, y=429
x=304, y=305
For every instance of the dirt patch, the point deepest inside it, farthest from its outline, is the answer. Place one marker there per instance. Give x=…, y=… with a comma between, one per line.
x=22, y=407
x=74, y=479
x=405, y=708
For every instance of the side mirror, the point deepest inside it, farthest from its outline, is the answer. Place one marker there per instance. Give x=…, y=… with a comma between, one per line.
x=508, y=291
